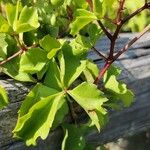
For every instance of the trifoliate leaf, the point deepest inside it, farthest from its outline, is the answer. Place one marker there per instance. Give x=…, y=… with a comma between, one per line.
x=91, y=100
x=40, y=117
x=3, y=97
x=51, y=45
x=83, y=17
x=116, y=89
x=33, y=60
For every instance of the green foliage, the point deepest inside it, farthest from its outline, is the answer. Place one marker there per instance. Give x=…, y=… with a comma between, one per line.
x=83, y=17
x=58, y=65
x=91, y=100
x=3, y=97
x=117, y=90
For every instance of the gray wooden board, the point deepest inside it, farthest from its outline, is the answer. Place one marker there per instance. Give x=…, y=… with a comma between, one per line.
x=136, y=73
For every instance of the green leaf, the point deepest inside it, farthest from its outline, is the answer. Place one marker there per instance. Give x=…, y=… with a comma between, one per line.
x=28, y=20
x=83, y=17
x=3, y=97
x=51, y=45
x=36, y=94
x=11, y=68
x=98, y=8
x=91, y=71
x=80, y=45
x=40, y=117
x=73, y=139
x=91, y=100
x=70, y=66
x=117, y=90
x=12, y=14
x=52, y=77
x=4, y=26
x=3, y=46
x=94, y=33
x=33, y=60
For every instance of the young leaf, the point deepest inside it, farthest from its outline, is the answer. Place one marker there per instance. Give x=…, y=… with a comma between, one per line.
x=4, y=26
x=33, y=60
x=51, y=45
x=3, y=97
x=12, y=14
x=28, y=20
x=91, y=100
x=40, y=117
x=71, y=68
x=83, y=17
x=117, y=90
x=73, y=139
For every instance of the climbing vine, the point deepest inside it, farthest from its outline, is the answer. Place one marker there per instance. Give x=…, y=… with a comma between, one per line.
x=46, y=43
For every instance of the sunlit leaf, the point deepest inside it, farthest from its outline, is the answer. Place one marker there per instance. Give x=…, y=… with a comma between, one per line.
x=51, y=45
x=91, y=100
x=40, y=117
x=117, y=89
x=83, y=17
x=33, y=60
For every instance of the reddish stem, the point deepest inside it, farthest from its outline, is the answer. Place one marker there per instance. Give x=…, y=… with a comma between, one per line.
x=120, y=11
x=90, y=4
x=102, y=72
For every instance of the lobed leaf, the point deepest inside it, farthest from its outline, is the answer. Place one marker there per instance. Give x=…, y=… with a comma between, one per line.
x=40, y=117
x=91, y=100
x=117, y=90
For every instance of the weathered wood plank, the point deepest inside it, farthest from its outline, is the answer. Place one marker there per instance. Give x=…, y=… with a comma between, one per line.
x=136, y=73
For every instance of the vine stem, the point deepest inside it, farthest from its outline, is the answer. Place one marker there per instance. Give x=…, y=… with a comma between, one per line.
x=120, y=11
x=124, y=49
x=11, y=57
x=99, y=53
x=102, y=72
x=90, y=3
